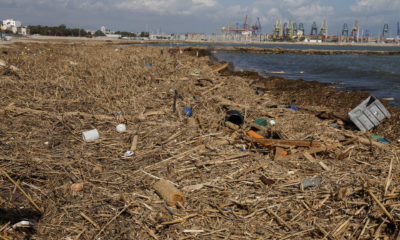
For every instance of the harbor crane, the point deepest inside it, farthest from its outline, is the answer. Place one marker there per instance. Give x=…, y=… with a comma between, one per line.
x=355, y=31
x=256, y=27
x=300, y=30
x=398, y=29
x=295, y=29
x=245, y=30
x=324, y=30
x=385, y=32
x=345, y=30
x=314, y=29
x=278, y=30
x=288, y=30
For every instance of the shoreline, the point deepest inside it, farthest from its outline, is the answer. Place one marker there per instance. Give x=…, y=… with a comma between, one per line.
x=128, y=41
x=175, y=106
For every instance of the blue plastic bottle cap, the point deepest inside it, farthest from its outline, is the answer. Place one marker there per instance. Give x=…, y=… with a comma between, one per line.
x=188, y=112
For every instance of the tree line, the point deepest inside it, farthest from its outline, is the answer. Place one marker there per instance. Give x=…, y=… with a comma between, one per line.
x=61, y=30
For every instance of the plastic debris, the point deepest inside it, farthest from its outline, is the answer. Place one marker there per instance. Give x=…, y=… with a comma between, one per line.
x=129, y=154
x=91, y=135
x=260, y=91
x=23, y=224
x=334, y=125
x=293, y=107
x=368, y=114
x=188, y=112
x=261, y=122
x=235, y=117
x=306, y=183
x=120, y=128
x=272, y=122
x=148, y=64
x=381, y=139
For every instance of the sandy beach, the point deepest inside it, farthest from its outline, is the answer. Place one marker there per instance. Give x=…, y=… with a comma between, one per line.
x=183, y=169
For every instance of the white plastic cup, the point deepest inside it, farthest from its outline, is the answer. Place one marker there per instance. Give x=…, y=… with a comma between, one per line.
x=91, y=135
x=120, y=128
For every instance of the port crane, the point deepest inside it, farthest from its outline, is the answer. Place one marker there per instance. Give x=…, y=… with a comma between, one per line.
x=355, y=32
x=398, y=29
x=288, y=30
x=314, y=29
x=324, y=30
x=278, y=30
x=300, y=30
x=256, y=27
x=295, y=29
x=245, y=30
x=345, y=30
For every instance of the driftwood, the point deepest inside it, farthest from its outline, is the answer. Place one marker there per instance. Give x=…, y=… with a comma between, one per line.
x=167, y=191
x=284, y=143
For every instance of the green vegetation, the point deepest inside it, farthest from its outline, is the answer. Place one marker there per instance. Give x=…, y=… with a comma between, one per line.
x=144, y=34
x=99, y=33
x=61, y=30
x=125, y=34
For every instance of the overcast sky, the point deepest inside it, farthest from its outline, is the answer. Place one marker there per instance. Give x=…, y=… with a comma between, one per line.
x=180, y=16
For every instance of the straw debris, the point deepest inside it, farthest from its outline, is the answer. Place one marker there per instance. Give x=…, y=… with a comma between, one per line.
x=233, y=187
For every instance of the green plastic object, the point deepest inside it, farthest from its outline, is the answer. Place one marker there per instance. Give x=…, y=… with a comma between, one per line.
x=261, y=122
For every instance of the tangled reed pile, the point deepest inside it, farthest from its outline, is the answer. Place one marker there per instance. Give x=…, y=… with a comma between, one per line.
x=194, y=177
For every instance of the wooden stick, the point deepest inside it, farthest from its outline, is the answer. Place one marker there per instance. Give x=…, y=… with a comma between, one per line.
x=113, y=219
x=279, y=219
x=389, y=177
x=281, y=142
x=173, y=136
x=324, y=232
x=4, y=227
x=215, y=87
x=342, y=227
x=324, y=166
x=22, y=190
x=134, y=143
x=291, y=236
x=150, y=232
x=3, y=237
x=220, y=68
x=180, y=220
x=367, y=141
x=80, y=234
x=391, y=218
x=90, y=220
x=314, y=150
x=309, y=157
x=363, y=230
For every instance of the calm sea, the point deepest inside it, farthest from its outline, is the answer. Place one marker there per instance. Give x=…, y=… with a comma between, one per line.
x=377, y=75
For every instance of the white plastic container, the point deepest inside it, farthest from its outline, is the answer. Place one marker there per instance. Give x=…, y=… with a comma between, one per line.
x=91, y=135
